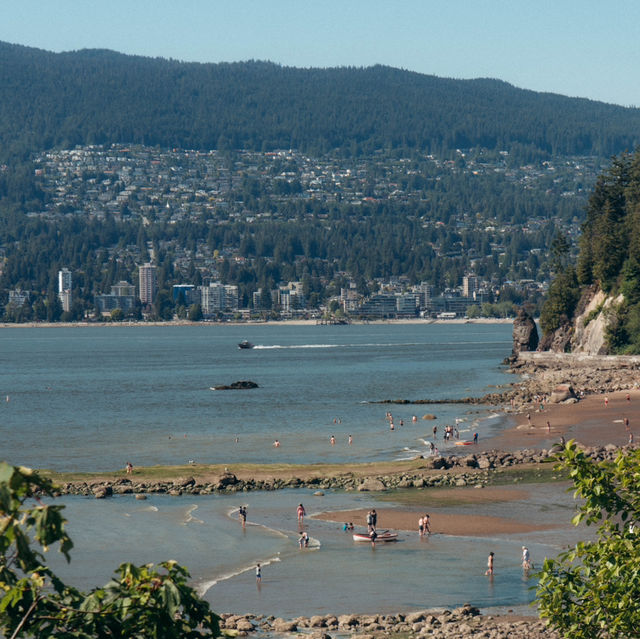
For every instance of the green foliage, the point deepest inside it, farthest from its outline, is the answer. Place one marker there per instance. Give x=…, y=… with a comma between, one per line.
x=609, y=257
x=563, y=296
x=591, y=315
x=592, y=590
x=142, y=601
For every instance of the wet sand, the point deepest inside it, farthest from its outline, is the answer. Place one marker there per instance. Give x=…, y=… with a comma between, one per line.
x=440, y=522
x=589, y=421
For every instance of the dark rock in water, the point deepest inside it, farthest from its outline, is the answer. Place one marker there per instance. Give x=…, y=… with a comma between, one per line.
x=525, y=333
x=239, y=385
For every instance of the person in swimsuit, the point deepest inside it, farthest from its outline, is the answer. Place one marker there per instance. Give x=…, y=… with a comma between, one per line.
x=258, y=573
x=489, y=570
x=420, y=527
x=301, y=512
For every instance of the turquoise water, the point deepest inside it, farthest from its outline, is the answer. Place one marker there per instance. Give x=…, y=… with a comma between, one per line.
x=93, y=398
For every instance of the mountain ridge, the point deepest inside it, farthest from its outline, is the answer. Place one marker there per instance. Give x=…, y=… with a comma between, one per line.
x=100, y=96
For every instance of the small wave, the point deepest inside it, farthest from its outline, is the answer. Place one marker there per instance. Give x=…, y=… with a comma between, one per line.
x=492, y=416
x=205, y=586
x=189, y=517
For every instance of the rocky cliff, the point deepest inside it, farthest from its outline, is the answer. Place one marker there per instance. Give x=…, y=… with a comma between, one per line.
x=586, y=332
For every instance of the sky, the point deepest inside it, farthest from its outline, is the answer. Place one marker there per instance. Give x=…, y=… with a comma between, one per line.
x=579, y=48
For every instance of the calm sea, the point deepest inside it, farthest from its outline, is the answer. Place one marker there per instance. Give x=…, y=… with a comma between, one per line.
x=93, y=398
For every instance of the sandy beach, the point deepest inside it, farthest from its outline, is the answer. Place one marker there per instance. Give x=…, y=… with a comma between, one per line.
x=443, y=522
x=596, y=420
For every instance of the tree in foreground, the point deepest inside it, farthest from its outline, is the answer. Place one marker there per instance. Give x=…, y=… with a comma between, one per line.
x=140, y=602
x=592, y=591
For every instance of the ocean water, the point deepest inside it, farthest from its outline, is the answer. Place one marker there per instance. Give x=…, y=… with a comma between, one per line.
x=93, y=398
x=334, y=575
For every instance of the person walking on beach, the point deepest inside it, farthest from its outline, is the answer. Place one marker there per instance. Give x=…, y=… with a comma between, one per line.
x=301, y=512
x=129, y=468
x=475, y=438
x=548, y=426
x=369, y=522
x=258, y=574
x=489, y=570
x=374, y=518
x=426, y=524
x=420, y=527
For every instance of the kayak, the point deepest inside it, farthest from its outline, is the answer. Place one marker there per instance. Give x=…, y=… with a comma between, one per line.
x=384, y=536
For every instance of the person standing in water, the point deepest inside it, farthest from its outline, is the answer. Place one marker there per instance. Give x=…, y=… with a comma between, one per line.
x=301, y=512
x=489, y=570
x=258, y=574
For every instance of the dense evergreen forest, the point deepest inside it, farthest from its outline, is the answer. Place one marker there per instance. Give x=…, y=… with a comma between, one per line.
x=452, y=212
x=96, y=96
x=609, y=257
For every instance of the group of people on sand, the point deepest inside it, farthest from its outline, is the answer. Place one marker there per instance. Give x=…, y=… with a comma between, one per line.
x=424, y=525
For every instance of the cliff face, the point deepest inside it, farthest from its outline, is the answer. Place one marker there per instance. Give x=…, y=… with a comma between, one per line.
x=586, y=333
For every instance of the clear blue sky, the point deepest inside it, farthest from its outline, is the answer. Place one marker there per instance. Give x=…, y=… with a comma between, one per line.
x=585, y=48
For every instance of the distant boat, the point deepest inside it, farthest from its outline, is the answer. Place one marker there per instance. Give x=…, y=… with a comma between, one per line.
x=245, y=344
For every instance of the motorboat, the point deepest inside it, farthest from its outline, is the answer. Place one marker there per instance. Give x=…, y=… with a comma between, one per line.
x=244, y=344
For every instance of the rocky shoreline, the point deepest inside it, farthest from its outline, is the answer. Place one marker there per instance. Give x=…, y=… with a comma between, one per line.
x=469, y=470
x=465, y=621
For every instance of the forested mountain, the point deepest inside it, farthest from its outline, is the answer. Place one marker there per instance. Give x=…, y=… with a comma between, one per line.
x=336, y=178
x=96, y=96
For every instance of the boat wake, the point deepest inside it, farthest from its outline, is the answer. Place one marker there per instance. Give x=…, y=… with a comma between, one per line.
x=265, y=347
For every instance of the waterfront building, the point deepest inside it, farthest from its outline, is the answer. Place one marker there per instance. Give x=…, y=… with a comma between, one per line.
x=122, y=296
x=218, y=298
x=64, y=288
x=148, y=283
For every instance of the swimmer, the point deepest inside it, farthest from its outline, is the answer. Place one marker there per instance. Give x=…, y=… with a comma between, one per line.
x=350, y=440
x=332, y=439
x=276, y=444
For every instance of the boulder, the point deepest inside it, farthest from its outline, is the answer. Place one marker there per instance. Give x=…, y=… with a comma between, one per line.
x=282, y=625
x=226, y=479
x=561, y=393
x=371, y=484
x=429, y=416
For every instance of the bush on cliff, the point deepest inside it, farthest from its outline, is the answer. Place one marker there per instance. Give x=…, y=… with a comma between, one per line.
x=592, y=591
x=140, y=602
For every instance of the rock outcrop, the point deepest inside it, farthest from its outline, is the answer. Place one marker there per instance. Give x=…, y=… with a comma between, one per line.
x=239, y=385
x=525, y=333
